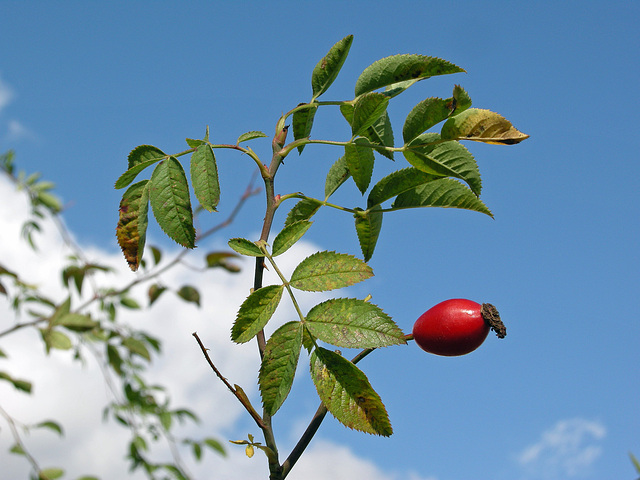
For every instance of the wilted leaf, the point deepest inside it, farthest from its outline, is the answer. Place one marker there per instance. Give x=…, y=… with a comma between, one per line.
x=289, y=236
x=400, y=68
x=353, y=323
x=204, y=177
x=324, y=271
x=347, y=393
x=327, y=69
x=255, y=312
x=169, y=196
x=482, y=126
x=132, y=224
x=279, y=364
x=368, y=225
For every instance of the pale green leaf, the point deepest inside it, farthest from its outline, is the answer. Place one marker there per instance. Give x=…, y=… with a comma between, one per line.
x=18, y=384
x=245, y=137
x=482, y=126
x=443, y=192
x=189, y=294
x=245, y=247
x=279, y=365
x=136, y=347
x=55, y=339
x=353, y=323
x=76, y=322
x=51, y=425
x=449, y=159
x=50, y=473
x=346, y=392
x=303, y=210
x=255, y=312
x=400, y=68
x=368, y=225
x=289, y=236
x=204, y=177
x=324, y=271
x=17, y=449
x=169, y=196
x=327, y=69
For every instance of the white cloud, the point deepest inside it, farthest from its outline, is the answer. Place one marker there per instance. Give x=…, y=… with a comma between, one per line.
x=6, y=94
x=75, y=396
x=568, y=449
x=17, y=131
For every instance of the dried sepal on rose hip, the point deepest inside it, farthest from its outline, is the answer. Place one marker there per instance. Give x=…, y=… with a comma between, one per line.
x=456, y=327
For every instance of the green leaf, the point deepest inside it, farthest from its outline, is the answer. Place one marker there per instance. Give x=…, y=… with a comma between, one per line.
x=359, y=159
x=245, y=137
x=136, y=347
x=347, y=393
x=114, y=358
x=17, y=383
x=396, y=89
x=279, y=365
x=289, y=236
x=130, y=303
x=381, y=134
x=51, y=425
x=367, y=109
x=221, y=260
x=131, y=231
x=482, y=126
x=204, y=177
x=255, y=312
x=194, y=143
x=17, y=449
x=444, y=192
x=324, y=271
x=396, y=183
x=302, y=123
x=189, y=294
x=425, y=115
x=368, y=225
x=154, y=292
x=462, y=100
x=449, y=159
x=169, y=195
x=50, y=473
x=76, y=322
x=55, y=339
x=400, y=68
x=214, y=445
x=245, y=247
x=353, y=323
x=337, y=175
x=327, y=69
x=140, y=158
x=303, y=210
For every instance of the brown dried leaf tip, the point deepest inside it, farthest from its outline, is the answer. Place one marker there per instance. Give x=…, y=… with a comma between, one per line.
x=492, y=318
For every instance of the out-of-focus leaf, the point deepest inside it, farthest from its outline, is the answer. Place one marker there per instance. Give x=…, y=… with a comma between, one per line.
x=347, y=393
x=136, y=347
x=51, y=425
x=17, y=383
x=189, y=294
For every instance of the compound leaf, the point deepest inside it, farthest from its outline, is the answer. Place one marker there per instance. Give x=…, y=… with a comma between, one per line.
x=400, y=68
x=131, y=231
x=482, y=126
x=289, y=236
x=169, y=196
x=353, y=323
x=324, y=271
x=368, y=225
x=327, y=69
x=255, y=312
x=443, y=192
x=279, y=364
x=346, y=392
x=449, y=159
x=204, y=177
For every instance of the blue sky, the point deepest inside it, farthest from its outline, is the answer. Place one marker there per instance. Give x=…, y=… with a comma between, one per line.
x=82, y=83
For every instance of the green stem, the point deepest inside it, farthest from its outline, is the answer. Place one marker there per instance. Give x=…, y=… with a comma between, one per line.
x=324, y=203
x=285, y=282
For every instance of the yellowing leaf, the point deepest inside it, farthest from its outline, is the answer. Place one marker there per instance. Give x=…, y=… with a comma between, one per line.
x=482, y=126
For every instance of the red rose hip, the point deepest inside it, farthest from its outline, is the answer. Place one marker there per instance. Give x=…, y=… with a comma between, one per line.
x=456, y=327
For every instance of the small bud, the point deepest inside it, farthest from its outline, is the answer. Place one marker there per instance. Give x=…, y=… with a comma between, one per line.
x=280, y=138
